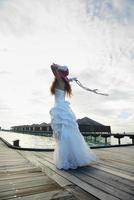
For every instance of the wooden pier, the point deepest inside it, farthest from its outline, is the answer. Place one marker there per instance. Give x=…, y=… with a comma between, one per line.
x=20, y=179
x=30, y=175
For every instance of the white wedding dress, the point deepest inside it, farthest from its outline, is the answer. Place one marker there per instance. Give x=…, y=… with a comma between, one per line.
x=71, y=150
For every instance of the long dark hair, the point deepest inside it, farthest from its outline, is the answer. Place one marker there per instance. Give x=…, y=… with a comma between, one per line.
x=68, y=89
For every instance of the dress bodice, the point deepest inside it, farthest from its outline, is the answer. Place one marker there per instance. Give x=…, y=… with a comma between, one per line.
x=59, y=96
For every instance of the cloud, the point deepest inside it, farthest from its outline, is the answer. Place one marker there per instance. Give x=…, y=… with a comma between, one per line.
x=14, y=17
x=125, y=115
x=114, y=11
x=4, y=107
x=42, y=72
x=4, y=72
x=37, y=97
x=94, y=38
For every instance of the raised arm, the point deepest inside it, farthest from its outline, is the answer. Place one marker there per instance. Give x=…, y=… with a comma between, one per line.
x=54, y=68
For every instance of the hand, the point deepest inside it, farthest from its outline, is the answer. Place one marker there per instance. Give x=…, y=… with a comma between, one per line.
x=54, y=65
x=73, y=79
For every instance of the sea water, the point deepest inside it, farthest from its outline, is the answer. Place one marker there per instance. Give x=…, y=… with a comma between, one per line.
x=35, y=141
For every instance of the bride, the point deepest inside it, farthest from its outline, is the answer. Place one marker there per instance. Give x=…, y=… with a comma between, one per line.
x=71, y=150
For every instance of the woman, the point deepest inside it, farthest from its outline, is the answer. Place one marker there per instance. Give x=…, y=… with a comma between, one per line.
x=71, y=149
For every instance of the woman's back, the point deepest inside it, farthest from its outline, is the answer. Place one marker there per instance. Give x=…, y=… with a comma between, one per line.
x=59, y=95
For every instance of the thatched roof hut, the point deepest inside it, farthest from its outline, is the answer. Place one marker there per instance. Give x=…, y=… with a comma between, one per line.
x=89, y=125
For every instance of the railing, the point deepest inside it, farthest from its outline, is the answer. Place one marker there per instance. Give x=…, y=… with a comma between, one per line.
x=119, y=136
x=104, y=135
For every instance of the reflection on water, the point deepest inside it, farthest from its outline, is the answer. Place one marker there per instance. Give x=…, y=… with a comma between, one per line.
x=33, y=141
x=100, y=141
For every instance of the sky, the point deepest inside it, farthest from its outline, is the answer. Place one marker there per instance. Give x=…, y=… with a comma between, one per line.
x=95, y=38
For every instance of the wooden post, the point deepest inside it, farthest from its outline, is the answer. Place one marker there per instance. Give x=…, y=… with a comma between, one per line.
x=132, y=140
x=119, y=136
x=105, y=136
x=105, y=140
x=95, y=136
x=16, y=143
x=119, y=141
x=132, y=137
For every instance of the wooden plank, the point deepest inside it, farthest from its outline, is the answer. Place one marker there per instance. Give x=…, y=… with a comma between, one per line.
x=105, y=168
x=117, y=173
x=90, y=189
x=14, y=165
x=50, y=160
x=109, y=178
x=51, y=195
x=26, y=184
x=80, y=193
x=28, y=191
x=13, y=176
x=123, y=151
x=118, y=166
x=99, y=166
x=21, y=170
x=101, y=185
x=48, y=157
x=115, y=170
x=117, y=157
x=77, y=192
x=20, y=178
x=60, y=180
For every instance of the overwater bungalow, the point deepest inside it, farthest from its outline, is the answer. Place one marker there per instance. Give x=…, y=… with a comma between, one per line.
x=86, y=125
